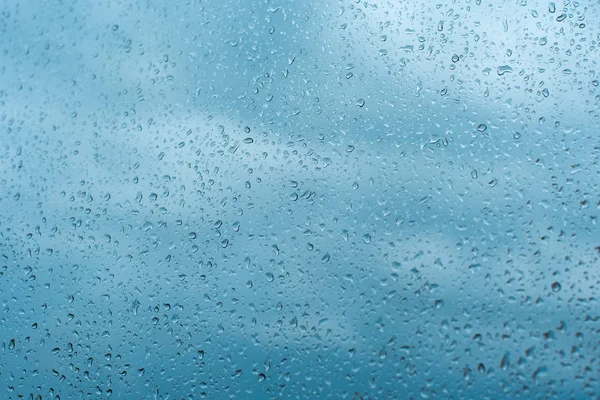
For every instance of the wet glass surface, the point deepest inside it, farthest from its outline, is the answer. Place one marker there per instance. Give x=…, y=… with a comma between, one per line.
x=299, y=199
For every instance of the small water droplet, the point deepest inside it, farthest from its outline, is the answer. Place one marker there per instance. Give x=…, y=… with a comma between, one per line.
x=505, y=362
x=504, y=69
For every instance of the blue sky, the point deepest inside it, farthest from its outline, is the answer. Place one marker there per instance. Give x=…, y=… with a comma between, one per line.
x=344, y=197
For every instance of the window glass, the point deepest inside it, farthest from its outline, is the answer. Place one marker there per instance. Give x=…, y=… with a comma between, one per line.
x=299, y=199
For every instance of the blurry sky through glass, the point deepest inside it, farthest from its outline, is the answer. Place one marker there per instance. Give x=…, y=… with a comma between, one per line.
x=299, y=199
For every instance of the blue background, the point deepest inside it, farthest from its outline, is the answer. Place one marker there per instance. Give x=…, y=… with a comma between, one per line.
x=299, y=199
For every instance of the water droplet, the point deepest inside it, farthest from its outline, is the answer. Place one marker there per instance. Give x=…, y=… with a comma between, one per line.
x=505, y=361
x=504, y=69
x=556, y=287
x=474, y=267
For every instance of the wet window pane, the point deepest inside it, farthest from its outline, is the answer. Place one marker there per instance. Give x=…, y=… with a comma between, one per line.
x=299, y=199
